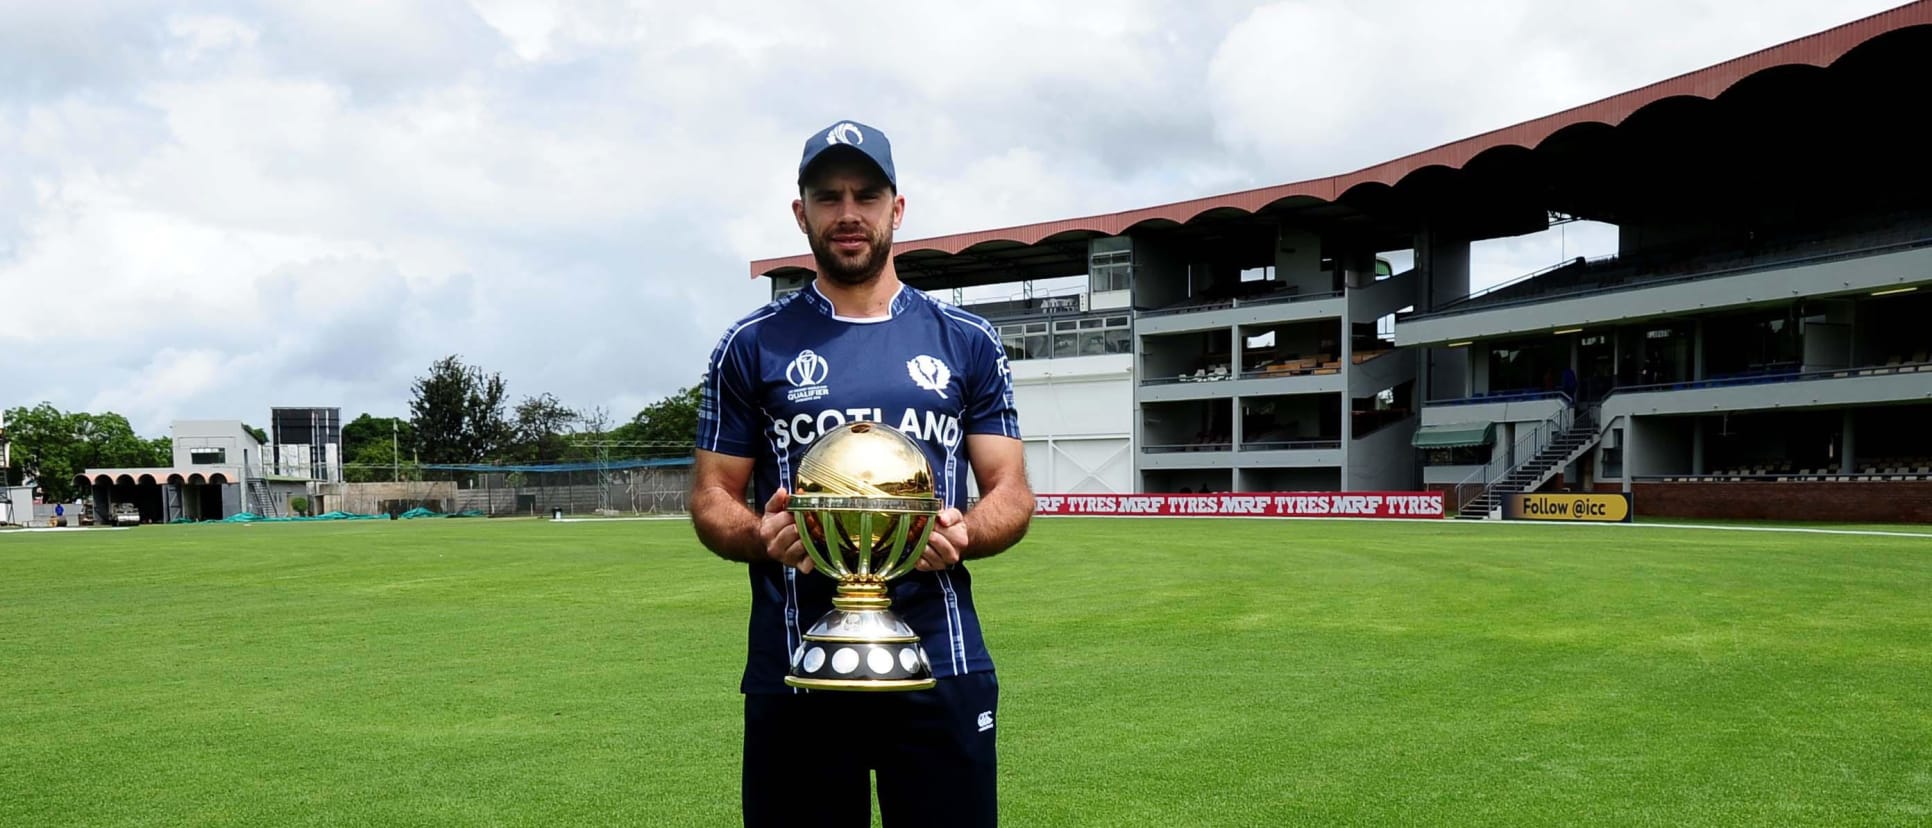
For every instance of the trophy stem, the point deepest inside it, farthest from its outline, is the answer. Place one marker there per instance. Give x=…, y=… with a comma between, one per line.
x=857, y=594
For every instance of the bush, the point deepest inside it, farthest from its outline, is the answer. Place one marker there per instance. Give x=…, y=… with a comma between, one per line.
x=299, y=505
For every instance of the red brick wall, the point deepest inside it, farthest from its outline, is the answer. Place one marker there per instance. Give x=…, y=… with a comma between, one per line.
x=1875, y=502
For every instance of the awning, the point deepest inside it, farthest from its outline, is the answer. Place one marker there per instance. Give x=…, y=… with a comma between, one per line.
x=1454, y=435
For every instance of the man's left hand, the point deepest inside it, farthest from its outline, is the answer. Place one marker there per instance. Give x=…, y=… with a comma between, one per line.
x=947, y=544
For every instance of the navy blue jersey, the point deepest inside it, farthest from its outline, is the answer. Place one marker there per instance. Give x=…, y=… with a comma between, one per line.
x=785, y=374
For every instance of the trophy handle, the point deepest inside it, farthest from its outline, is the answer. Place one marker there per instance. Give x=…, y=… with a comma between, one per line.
x=906, y=550
x=819, y=558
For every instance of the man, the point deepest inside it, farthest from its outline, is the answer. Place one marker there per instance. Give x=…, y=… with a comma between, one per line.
x=856, y=344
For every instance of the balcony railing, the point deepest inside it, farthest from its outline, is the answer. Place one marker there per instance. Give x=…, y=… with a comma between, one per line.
x=1321, y=444
x=1293, y=445
x=1176, y=448
x=1774, y=375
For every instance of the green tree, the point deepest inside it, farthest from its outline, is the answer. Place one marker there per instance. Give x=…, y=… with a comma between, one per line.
x=259, y=435
x=394, y=436
x=457, y=411
x=45, y=448
x=52, y=446
x=160, y=452
x=542, y=426
x=670, y=425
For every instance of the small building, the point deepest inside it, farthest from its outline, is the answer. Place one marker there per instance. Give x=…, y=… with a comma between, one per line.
x=217, y=473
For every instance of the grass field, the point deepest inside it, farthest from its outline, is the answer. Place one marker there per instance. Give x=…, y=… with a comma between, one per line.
x=1154, y=672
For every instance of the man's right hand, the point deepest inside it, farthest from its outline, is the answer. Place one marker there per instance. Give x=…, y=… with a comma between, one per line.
x=780, y=533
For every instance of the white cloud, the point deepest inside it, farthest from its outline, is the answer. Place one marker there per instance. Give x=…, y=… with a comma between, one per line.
x=206, y=214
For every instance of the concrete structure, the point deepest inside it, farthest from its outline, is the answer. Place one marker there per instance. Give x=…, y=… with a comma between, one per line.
x=1762, y=317
x=217, y=473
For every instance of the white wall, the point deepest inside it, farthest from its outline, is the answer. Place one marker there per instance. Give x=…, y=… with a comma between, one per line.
x=1076, y=418
x=223, y=434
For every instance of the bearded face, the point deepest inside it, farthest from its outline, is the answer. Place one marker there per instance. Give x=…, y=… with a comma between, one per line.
x=851, y=252
x=848, y=211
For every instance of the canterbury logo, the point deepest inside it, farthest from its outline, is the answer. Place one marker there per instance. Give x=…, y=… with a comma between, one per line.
x=807, y=368
x=930, y=373
x=846, y=133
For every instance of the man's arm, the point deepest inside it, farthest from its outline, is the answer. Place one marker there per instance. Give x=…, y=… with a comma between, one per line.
x=731, y=529
x=1001, y=517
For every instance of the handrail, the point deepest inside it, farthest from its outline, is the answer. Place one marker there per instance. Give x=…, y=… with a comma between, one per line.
x=1542, y=434
x=1571, y=262
x=1504, y=397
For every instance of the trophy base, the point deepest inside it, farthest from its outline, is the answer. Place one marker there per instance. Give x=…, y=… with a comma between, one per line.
x=867, y=650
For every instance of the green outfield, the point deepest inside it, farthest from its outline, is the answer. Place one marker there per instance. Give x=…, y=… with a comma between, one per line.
x=1154, y=672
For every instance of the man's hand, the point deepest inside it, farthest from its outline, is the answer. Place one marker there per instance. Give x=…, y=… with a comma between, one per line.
x=779, y=531
x=948, y=542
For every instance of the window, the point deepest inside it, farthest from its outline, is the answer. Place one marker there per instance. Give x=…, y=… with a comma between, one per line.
x=1065, y=340
x=1110, y=265
x=1118, y=337
x=1090, y=336
x=1025, y=340
x=207, y=456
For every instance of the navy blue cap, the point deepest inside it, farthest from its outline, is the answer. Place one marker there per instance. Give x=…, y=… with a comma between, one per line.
x=852, y=135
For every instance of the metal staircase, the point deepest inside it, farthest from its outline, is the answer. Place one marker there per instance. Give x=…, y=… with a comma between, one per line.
x=261, y=499
x=1531, y=474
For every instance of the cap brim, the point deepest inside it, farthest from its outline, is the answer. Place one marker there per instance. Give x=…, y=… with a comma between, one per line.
x=840, y=151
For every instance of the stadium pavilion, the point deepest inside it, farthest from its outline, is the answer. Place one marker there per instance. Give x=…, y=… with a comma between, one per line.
x=1757, y=346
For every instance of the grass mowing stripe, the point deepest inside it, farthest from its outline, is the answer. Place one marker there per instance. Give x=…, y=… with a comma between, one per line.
x=1183, y=671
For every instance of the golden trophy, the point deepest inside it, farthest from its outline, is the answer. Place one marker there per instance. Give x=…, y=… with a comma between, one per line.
x=865, y=507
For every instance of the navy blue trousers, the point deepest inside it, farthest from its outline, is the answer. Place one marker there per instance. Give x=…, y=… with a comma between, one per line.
x=809, y=757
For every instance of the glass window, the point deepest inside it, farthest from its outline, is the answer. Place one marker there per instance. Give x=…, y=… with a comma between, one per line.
x=1118, y=340
x=1014, y=344
x=1110, y=265
x=1036, y=344
x=206, y=456
x=1064, y=345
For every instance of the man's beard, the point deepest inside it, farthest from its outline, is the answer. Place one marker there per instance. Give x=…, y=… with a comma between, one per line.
x=851, y=272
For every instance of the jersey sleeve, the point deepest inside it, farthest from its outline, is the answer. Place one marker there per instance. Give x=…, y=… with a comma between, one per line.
x=726, y=409
x=989, y=402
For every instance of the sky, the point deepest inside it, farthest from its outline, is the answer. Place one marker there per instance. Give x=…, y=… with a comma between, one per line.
x=210, y=209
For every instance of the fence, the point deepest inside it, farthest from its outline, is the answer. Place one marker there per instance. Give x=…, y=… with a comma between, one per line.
x=652, y=486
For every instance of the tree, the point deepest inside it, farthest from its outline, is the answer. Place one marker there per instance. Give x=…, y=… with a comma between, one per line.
x=393, y=435
x=670, y=423
x=541, y=424
x=52, y=446
x=458, y=414
x=44, y=447
x=259, y=435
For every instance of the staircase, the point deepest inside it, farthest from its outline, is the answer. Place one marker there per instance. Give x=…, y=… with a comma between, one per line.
x=1531, y=474
x=260, y=499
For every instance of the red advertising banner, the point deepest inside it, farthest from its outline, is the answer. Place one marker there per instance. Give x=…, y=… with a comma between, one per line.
x=1248, y=504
